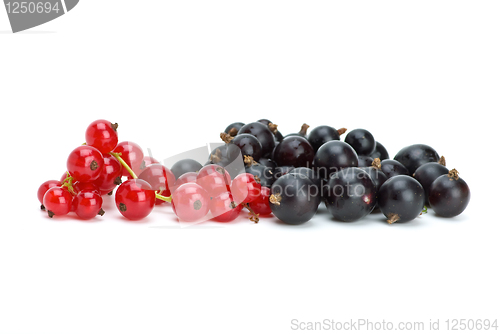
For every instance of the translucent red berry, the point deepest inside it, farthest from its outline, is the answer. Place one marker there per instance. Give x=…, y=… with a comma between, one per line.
x=245, y=189
x=224, y=208
x=111, y=174
x=57, y=201
x=87, y=204
x=43, y=189
x=214, y=179
x=190, y=202
x=261, y=204
x=102, y=135
x=85, y=163
x=160, y=178
x=135, y=199
x=132, y=154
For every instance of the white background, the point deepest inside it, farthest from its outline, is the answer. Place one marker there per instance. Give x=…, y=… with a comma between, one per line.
x=173, y=74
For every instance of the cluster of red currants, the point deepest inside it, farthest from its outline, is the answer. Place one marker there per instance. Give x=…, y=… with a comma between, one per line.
x=97, y=168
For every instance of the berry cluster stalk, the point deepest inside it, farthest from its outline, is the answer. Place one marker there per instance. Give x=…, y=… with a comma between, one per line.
x=134, y=176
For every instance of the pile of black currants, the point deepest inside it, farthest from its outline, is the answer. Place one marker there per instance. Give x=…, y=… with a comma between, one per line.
x=353, y=177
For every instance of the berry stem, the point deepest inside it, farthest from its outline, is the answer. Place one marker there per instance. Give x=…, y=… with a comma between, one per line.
x=124, y=164
x=134, y=176
x=163, y=198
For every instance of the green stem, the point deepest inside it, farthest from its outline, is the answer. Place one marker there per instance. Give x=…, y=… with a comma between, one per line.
x=124, y=164
x=134, y=176
x=163, y=198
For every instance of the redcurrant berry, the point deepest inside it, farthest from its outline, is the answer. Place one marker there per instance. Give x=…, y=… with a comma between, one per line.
x=111, y=174
x=261, y=205
x=224, y=208
x=85, y=163
x=43, y=189
x=147, y=161
x=190, y=202
x=132, y=154
x=87, y=204
x=214, y=179
x=57, y=201
x=160, y=178
x=189, y=177
x=245, y=189
x=102, y=135
x=135, y=199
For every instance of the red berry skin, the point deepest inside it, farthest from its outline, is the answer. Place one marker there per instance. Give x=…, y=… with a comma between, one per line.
x=190, y=202
x=57, y=201
x=87, y=204
x=147, y=161
x=245, y=189
x=224, y=208
x=160, y=178
x=132, y=154
x=135, y=199
x=102, y=135
x=85, y=163
x=46, y=186
x=261, y=204
x=189, y=177
x=111, y=174
x=214, y=179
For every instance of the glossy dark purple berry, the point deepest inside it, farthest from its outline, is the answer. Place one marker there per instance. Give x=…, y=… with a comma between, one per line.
x=233, y=128
x=263, y=134
x=352, y=194
x=322, y=134
x=401, y=199
x=428, y=173
x=414, y=156
x=361, y=140
x=278, y=137
x=311, y=175
x=333, y=156
x=392, y=168
x=294, y=151
x=293, y=200
x=449, y=195
x=185, y=166
x=379, y=152
x=268, y=162
x=364, y=161
x=282, y=170
x=262, y=174
x=249, y=145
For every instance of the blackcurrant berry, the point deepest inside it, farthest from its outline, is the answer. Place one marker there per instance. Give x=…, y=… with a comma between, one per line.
x=364, y=161
x=293, y=200
x=401, y=199
x=351, y=194
x=379, y=152
x=361, y=140
x=278, y=137
x=449, y=195
x=263, y=134
x=414, y=156
x=311, y=175
x=333, y=156
x=322, y=134
x=262, y=174
x=294, y=151
x=233, y=128
x=427, y=173
x=392, y=168
x=249, y=145
x=184, y=166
